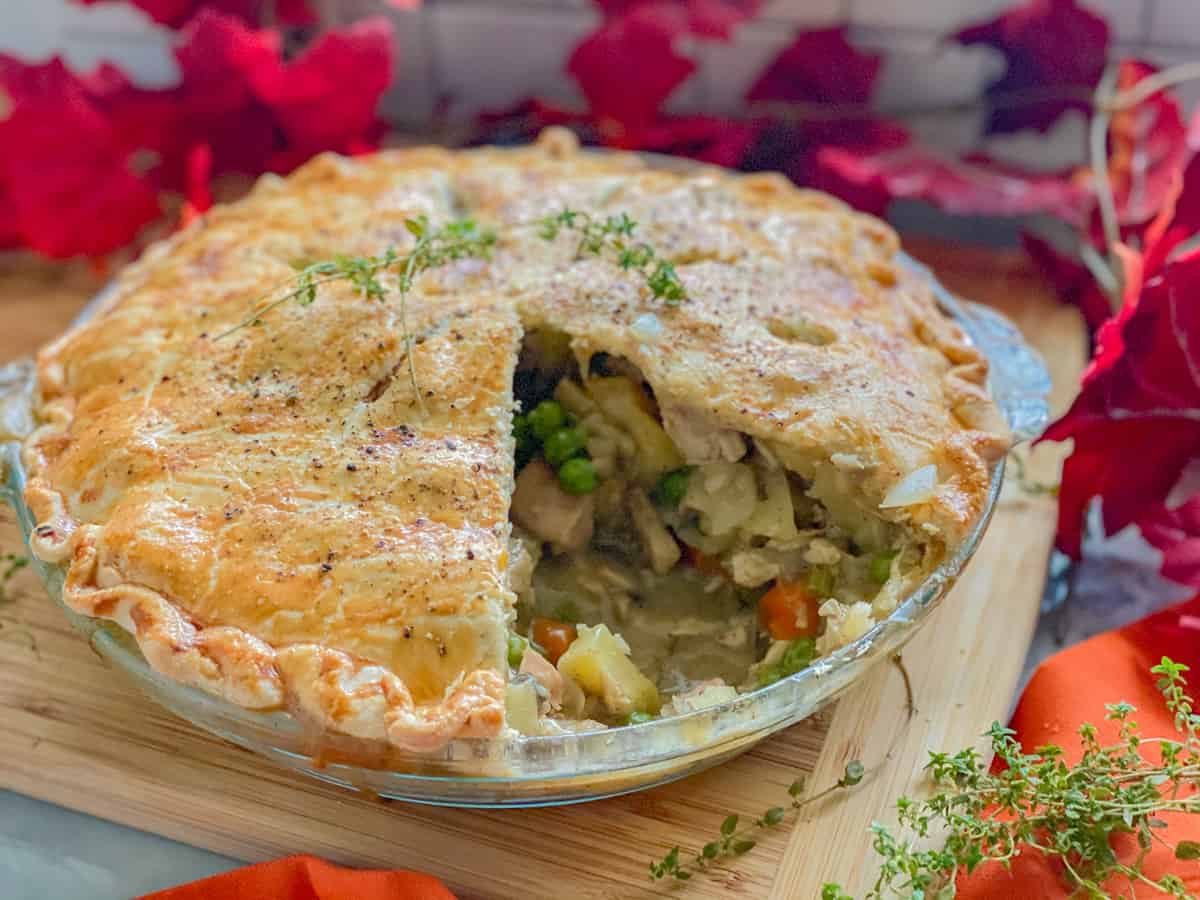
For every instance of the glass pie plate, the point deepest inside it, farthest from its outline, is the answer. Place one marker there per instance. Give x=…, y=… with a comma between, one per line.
x=546, y=770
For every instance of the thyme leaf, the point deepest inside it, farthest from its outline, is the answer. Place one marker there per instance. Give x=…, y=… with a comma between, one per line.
x=614, y=236
x=611, y=236
x=734, y=841
x=1037, y=802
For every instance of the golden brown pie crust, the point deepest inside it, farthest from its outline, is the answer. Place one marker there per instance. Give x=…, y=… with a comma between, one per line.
x=277, y=522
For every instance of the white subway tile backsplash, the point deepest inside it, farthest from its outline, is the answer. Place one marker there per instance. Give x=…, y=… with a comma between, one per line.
x=411, y=97
x=1062, y=147
x=922, y=70
x=947, y=16
x=488, y=56
x=1175, y=23
x=808, y=13
x=940, y=16
x=1188, y=92
x=86, y=36
x=1126, y=18
x=729, y=70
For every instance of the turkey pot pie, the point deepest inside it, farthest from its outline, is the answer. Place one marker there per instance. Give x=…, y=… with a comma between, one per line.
x=590, y=507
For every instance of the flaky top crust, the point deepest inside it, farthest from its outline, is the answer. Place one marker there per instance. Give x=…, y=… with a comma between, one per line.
x=278, y=519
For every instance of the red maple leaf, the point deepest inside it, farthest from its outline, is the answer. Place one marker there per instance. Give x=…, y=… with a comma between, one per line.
x=175, y=13
x=1176, y=532
x=83, y=158
x=308, y=95
x=799, y=91
x=1136, y=422
x=627, y=69
x=72, y=183
x=959, y=187
x=705, y=18
x=819, y=66
x=1148, y=148
x=710, y=139
x=1049, y=46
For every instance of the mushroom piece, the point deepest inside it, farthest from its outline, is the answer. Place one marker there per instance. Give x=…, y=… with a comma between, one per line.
x=544, y=509
x=659, y=544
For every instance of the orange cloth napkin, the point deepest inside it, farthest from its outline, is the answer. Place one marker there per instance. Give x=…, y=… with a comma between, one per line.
x=1068, y=689
x=308, y=878
x=1071, y=688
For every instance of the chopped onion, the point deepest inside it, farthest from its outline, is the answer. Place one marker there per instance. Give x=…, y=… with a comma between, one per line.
x=916, y=487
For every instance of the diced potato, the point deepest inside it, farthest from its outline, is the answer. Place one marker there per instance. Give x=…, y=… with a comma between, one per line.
x=773, y=515
x=599, y=662
x=521, y=706
x=625, y=404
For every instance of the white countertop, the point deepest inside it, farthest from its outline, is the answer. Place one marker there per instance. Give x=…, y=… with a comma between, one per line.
x=51, y=853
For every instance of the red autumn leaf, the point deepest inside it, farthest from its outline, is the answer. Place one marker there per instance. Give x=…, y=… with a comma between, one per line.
x=524, y=121
x=704, y=18
x=308, y=95
x=819, y=66
x=1148, y=148
x=260, y=113
x=1049, y=46
x=70, y=181
x=1179, y=218
x=627, y=69
x=721, y=142
x=1176, y=532
x=1136, y=422
x=175, y=13
x=959, y=187
x=218, y=58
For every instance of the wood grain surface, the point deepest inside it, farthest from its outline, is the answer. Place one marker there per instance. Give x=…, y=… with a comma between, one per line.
x=77, y=734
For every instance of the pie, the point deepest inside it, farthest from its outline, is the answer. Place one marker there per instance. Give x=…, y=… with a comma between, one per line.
x=583, y=506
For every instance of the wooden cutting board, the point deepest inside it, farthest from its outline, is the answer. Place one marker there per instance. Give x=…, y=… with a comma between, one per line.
x=76, y=734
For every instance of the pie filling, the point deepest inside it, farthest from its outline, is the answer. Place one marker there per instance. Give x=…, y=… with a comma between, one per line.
x=662, y=563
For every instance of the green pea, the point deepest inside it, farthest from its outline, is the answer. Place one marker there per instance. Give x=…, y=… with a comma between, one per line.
x=517, y=646
x=637, y=718
x=546, y=418
x=577, y=476
x=798, y=655
x=564, y=444
x=671, y=487
x=821, y=580
x=881, y=566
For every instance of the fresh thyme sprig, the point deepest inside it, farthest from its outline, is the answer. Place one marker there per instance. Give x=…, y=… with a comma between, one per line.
x=12, y=565
x=615, y=236
x=734, y=841
x=433, y=247
x=463, y=239
x=1038, y=802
